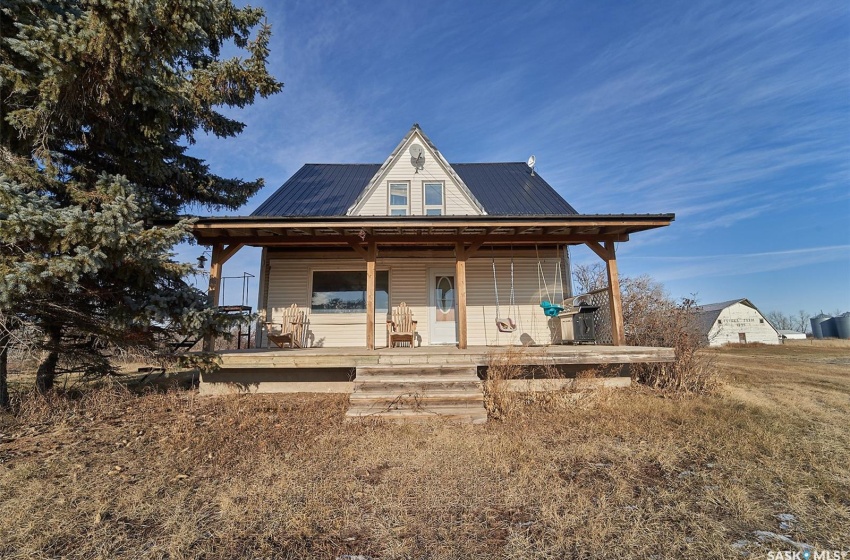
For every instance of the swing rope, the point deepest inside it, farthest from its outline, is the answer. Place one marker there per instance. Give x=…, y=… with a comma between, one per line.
x=503, y=324
x=541, y=274
x=496, y=283
x=549, y=309
x=513, y=301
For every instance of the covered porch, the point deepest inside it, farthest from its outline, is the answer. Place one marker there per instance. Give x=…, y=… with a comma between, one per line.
x=451, y=240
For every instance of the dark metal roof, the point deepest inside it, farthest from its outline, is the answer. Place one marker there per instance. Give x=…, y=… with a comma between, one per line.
x=504, y=189
x=509, y=189
x=319, y=189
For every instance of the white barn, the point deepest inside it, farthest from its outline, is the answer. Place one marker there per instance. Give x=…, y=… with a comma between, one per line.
x=736, y=322
x=791, y=335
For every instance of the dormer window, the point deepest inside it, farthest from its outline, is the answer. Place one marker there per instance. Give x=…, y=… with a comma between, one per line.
x=399, y=199
x=433, y=199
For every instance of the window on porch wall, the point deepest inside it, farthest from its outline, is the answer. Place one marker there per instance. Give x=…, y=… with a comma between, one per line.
x=345, y=291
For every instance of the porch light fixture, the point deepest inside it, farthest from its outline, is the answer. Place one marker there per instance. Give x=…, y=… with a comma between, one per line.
x=202, y=260
x=362, y=235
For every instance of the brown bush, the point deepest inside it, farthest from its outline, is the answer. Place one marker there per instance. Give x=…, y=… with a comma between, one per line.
x=653, y=318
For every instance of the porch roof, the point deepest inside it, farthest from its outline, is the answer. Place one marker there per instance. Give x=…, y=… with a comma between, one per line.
x=264, y=231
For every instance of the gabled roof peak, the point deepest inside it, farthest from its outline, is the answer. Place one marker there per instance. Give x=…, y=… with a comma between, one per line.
x=394, y=158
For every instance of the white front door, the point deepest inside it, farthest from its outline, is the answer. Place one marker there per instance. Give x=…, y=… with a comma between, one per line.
x=442, y=308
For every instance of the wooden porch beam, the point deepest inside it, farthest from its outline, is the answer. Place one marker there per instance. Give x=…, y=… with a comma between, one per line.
x=417, y=240
x=473, y=248
x=227, y=252
x=615, y=300
x=460, y=285
x=359, y=250
x=600, y=251
x=370, y=296
x=425, y=222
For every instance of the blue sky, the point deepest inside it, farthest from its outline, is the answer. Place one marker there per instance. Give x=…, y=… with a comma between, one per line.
x=733, y=115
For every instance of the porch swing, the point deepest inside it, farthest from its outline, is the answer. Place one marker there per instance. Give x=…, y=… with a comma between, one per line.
x=504, y=324
x=549, y=309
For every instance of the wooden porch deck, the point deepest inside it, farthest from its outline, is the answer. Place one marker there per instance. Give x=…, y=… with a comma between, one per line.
x=408, y=384
x=311, y=358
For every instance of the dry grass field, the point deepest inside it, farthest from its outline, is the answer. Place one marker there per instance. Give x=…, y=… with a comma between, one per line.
x=624, y=473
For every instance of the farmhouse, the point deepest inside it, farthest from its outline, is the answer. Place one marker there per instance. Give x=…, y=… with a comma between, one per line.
x=416, y=263
x=736, y=322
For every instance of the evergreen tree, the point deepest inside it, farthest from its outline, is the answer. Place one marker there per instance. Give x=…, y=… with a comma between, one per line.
x=100, y=101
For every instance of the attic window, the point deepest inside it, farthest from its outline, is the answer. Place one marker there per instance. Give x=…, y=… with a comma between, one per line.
x=433, y=199
x=399, y=203
x=719, y=322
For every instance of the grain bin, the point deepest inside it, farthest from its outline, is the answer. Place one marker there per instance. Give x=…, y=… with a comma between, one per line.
x=817, y=325
x=842, y=325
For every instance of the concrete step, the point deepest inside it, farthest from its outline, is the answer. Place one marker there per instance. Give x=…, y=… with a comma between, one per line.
x=455, y=414
x=416, y=401
x=418, y=386
x=418, y=393
x=383, y=371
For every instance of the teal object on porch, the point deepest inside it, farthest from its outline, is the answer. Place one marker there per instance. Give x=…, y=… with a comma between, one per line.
x=550, y=309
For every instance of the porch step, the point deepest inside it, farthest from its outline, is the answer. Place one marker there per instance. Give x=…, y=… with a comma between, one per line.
x=424, y=370
x=462, y=415
x=417, y=393
x=418, y=385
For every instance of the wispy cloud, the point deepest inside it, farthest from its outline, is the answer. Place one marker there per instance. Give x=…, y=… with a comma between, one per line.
x=678, y=268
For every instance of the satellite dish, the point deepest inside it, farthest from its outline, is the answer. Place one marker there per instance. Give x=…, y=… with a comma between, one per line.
x=530, y=163
x=417, y=157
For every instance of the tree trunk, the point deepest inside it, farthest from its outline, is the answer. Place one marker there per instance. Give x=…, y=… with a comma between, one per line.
x=46, y=373
x=5, y=337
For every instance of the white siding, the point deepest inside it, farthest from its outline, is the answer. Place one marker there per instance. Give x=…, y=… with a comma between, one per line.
x=739, y=318
x=533, y=327
x=289, y=282
x=402, y=171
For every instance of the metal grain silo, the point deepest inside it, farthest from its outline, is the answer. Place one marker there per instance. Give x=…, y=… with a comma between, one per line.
x=842, y=325
x=817, y=325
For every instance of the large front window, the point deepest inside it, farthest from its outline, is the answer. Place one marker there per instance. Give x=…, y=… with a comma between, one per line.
x=399, y=199
x=345, y=292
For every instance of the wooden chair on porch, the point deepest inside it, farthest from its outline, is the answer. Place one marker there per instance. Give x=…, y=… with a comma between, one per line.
x=290, y=330
x=402, y=327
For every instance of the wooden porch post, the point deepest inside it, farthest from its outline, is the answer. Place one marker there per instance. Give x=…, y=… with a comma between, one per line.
x=215, y=286
x=615, y=300
x=460, y=286
x=220, y=255
x=370, y=296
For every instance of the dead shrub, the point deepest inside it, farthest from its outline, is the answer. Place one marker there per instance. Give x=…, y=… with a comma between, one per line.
x=652, y=318
x=499, y=401
x=548, y=388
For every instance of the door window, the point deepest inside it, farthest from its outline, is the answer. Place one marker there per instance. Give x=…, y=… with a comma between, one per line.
x=444, y=298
